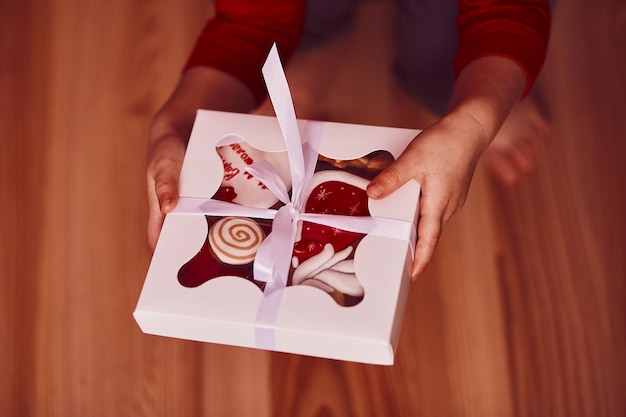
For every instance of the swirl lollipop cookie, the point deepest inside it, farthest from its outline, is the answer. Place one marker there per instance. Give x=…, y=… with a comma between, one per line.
x=235, y=240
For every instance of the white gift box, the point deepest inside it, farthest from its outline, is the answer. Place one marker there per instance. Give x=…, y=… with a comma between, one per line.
x=307, y=321
x=252, y=163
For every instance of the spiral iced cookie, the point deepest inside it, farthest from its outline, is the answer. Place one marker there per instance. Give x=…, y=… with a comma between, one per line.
x=235, y=240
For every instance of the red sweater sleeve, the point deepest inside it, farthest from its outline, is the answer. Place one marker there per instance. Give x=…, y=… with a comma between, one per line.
x=518, y=30
x=238, y=38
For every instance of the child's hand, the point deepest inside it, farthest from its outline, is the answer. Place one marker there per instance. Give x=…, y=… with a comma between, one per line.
x=442, y=159
x=199, y=88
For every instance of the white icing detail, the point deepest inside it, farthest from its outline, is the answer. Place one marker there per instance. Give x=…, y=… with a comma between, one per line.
x=318, y=284
x=312, y=264
x=344, y=283
x=346, y=266
x=354, y=209
x=337, y=257
x=322, y=194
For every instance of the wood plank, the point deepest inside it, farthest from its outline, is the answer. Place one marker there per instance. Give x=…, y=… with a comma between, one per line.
x=563, y=267
x=22, y=181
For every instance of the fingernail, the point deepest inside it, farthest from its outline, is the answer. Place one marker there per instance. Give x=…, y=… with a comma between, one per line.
x=166, y=203
x=374, y=190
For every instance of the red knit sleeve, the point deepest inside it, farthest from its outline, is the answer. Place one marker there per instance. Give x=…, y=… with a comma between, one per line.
x=238, y=38
x=518, y=30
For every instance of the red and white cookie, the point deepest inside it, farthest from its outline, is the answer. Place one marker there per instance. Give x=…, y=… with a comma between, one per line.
x=322, y=253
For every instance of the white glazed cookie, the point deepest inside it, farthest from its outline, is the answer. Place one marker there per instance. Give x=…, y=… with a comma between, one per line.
x=250, y=192
x=235, y=240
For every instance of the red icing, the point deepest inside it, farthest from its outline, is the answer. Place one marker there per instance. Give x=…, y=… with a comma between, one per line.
x=330, y=197
x=225, y=194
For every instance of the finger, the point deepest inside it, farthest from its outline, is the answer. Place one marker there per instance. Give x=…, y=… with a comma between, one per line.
x=163, y=201
x=162, y=197
x=429, y=232
x=166, y=186
x=434, y=213
x=155, y=223
x=393, y=177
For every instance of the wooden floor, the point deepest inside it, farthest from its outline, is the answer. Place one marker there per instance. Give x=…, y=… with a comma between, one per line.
x=521, y=313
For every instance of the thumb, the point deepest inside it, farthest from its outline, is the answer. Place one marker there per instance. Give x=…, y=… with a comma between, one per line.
x=391, y=178
x=166, y=188
x=162, y=198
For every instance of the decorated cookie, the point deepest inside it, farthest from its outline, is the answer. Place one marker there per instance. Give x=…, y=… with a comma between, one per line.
x=235, y=240
x=331, y=192
x=325, y=255
x=238, y=185
x=229, y=250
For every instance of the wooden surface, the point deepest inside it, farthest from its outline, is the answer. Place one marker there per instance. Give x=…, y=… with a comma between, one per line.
x=521, y=313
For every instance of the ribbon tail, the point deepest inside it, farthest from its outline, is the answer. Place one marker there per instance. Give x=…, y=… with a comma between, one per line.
x=277, y=254
x=271, y=263
x=210, y=207
x=280, y=95
x=311, y=143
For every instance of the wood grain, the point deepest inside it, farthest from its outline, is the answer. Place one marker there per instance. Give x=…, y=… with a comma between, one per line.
x=521, y=312
x=21, y=182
